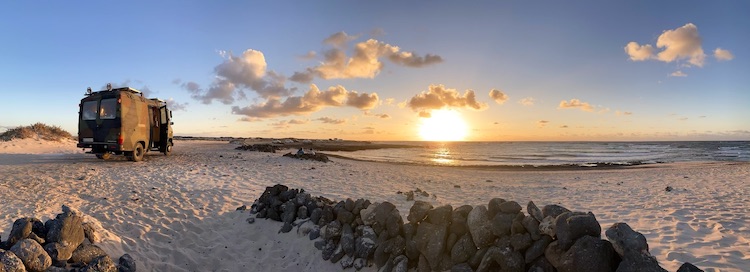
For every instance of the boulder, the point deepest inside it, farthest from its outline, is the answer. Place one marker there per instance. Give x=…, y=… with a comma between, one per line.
x=463, y=249
x=393, y=224
x=338, y=253
x=553, y=210
x=431, y=240
x=570, y=226
x=458, y=220
x=302, y=212
x=532, y=227
x=520, y=242
x=359, y=263
x=66, y=229
x=493, y=207
x=537, y=248
x=639, y=263
x=510, y=207
x=504, y=258
x=541, y=264
x=480, y=227
x=347, y=240
x=22, y=229
x=688, y=267
x=547, y=226
x=534, y=211
x=332, y=230
x=589, y=254
x=346, y=262
x=625, y=240
x=90, y=233
x=32, y=255
x=400, y=264
x=462, y=267
x=126, y=264
x=440, y=215
x=10, y=262
x=345, y=217
x=365, y=245
x=86, y=253
x=328, y=249
x=100, y=264
x=418, y=211
x=315, y=215
x=502, y=224
x=58, y=253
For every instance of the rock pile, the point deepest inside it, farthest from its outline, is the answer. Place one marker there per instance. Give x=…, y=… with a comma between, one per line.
x=259, y=147
x=315, y=157
x=493, y=237
x=64, y=243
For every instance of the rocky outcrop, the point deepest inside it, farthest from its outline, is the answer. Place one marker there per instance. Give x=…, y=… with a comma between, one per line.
x=498, y=236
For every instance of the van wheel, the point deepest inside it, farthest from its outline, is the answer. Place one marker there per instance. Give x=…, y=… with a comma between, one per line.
x=104, y=156
x=137, y=154
x=168, y=149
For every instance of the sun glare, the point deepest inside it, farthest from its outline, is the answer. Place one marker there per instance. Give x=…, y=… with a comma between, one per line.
x=443, y=125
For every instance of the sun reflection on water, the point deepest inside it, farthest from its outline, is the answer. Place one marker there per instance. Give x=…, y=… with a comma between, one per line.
x=443, y=156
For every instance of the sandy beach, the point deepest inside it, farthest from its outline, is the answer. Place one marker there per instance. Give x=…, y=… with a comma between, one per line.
x=178, y=212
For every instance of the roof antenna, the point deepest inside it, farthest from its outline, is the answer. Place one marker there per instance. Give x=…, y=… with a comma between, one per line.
x=88, y=91
x=109, y=86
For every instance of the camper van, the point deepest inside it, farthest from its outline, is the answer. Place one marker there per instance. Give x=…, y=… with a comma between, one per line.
x=122, y=122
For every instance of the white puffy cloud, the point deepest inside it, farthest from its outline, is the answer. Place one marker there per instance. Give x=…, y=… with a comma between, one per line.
x=723, y=55
x=312, y=101
x=639, y=52
x=438, y=97
x=498, y=96
x=575, y=103
x=682, y=43
x=365, y=61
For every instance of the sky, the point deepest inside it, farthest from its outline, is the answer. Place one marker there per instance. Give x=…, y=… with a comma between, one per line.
x=381, y=70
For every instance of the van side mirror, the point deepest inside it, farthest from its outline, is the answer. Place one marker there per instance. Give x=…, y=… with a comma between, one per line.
x=171, y=123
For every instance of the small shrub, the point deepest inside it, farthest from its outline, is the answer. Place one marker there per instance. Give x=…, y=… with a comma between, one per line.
x=36, y=131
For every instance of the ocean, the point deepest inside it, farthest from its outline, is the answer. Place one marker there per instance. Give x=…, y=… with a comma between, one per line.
x=582, y=154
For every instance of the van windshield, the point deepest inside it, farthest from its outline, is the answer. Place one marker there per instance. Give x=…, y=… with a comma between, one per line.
x=89, y=110
x=108, y=108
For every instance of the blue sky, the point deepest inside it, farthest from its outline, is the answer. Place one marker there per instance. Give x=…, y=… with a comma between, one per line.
x=551, y=52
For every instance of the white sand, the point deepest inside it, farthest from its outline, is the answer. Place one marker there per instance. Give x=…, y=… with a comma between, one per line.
x=178, y=213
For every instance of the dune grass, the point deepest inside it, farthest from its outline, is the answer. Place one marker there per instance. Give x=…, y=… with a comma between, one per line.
x=36, y=131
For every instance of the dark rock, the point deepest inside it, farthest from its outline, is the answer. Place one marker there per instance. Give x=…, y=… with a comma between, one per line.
x=589, y=254
x=553, y=210
x=408, y=230
x=458, y=220
x=100, y=264
x=423, y=265
x=358, y=206
x=347, y=240
x=510, y=207
x=32, y=255
x=532, y=227
x=480, y=227
x=126, y=264
x=272, y=214
x=86, y=253
x=345, y=217
x=58, y=253
x=380, y=215
x=259, y=148
x=328, y=249
x=625, y=240
x=503, y=258
x=554, y=254
x=395, y=246
x=541, y=264
x=537, y=248
x=314, y=232
x=327, y=216
x=315, y=215
x=304, y=228
x=338, y=253
x=393, y=224
x=668, y=189
x=359, y=263
x=315, y=157
x=22, y=229
x=501, y=224
x=349, y=204
x=430, y=240
x=302, y=198
x=10, y=262
x=639, y=263
x=380, y=257
x=520, y=242
x=462, y=267
x=450, y=242
x=463, y=249
x=688, y=267
x=287, y=227
x=365, y=245
x=534, y=211
x=289, y=212
x=400, y=264
x=547, y=226
x=440, y=215
x=445, y=262
x=346, y=262
x=517, y=225
x=302, y=212
x=332, y=230
x=493, y=207
x=320, y=244
x=570, y=226
x=475, y=260
x=411, y=250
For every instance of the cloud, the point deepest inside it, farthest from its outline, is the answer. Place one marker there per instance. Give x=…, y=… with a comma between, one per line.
x=575, y=103
x=379, y=115
x=526, y=101
x=542, y=123
x=329, y=120
x=623, y=113
x=250, y=119
x=288, y=123
x=425, y=114
x=498, y=96
x=678, y=73
x=364, y=62
x=312, y=101
x=723, y=55
x=176, y=106
x=639, y=52
x=237, y=73
x=308, y=56
x=438, y=97
x=682, y=43
x=362, y=101
x=377, y=32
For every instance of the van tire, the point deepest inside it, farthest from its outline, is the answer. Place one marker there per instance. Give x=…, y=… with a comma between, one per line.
x=168, y=149
x=137, y=154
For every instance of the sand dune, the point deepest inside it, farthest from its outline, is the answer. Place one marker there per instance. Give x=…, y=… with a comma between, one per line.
x=177, y=213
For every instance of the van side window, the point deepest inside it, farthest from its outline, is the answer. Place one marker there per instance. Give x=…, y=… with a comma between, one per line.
x=88, y=110
x=108, y=108
x=163, y=115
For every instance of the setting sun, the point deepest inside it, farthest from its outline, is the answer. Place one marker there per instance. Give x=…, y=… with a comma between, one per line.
x=443, y=125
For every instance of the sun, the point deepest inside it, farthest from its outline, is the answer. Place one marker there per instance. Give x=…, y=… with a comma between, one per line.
x=443, y=125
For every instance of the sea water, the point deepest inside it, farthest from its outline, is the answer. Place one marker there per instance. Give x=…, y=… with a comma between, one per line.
x=587, y=154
